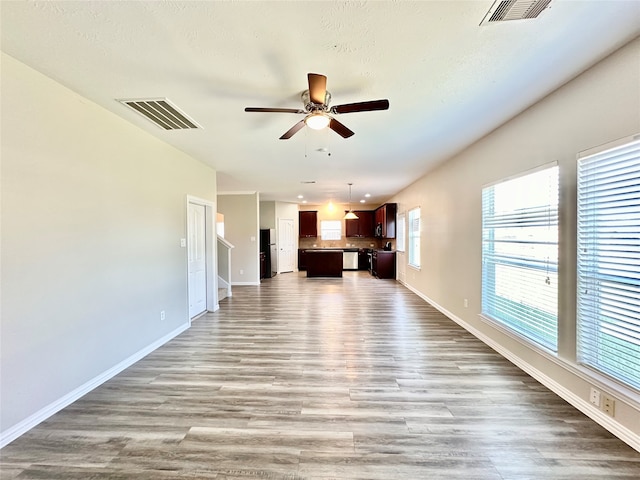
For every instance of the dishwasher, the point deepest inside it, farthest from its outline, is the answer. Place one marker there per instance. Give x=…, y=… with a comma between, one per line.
x=350, y=260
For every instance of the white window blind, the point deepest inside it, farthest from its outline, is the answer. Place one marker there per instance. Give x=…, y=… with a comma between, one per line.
x=520, y=255
x=330, y=229
x=414, y=237
x=400, y=226
x=609, y=262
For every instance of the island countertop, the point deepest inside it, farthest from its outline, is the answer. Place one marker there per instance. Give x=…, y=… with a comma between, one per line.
x=324, y=262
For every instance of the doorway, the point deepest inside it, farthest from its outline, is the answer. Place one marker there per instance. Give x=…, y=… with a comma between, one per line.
x=201, y=281
x=286, y=257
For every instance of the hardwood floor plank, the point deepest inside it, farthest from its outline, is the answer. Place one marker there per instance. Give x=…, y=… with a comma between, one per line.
x=316, y=379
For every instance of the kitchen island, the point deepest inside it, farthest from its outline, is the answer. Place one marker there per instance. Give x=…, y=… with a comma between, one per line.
x=323, y=262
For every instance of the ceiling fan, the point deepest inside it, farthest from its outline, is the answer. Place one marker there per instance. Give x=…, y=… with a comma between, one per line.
x=317, y=111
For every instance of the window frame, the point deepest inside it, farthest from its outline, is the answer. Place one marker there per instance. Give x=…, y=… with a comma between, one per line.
x=608, y=261
x=331, y=230
x=520, y=250
x=413, y=238
x=400, y=232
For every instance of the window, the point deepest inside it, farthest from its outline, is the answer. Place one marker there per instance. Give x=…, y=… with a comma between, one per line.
x=330, y=229
x=609, y=262
x=400, y=232
x=520, y=255
x=414, y=237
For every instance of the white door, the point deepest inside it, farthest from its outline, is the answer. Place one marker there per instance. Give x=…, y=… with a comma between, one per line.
x=196, y=253
x=286, y=256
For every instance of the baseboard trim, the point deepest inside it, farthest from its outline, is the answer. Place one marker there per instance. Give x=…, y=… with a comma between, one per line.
x=254, y=284
x=620, y=431
x=41, y=415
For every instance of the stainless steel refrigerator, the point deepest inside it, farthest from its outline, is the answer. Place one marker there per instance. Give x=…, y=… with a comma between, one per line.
x=268, y=247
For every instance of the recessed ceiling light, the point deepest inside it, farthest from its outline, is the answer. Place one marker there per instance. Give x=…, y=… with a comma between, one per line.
x=362, y=201
x=367, y=195
x=300, y=196
x=304, y=201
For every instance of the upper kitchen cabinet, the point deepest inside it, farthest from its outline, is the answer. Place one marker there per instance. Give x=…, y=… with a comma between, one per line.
x=362, y=227
x=308, y=223
x=385, y=221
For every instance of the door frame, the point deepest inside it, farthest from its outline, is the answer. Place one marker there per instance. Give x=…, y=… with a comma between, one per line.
x=281, y=244
x=211, y=253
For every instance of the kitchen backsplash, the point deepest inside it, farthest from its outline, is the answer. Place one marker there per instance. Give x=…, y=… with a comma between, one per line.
x=344, y=242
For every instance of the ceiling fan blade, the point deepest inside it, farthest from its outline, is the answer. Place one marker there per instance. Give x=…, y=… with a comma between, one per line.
x=361, y=106
x=289, y=133
x=274, y=110
x=317, y=88
x=340, y=129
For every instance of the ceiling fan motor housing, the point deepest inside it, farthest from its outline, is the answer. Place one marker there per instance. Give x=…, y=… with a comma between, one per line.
x=314, y=107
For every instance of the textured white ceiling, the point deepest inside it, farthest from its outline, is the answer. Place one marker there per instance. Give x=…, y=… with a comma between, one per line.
x=449, y=81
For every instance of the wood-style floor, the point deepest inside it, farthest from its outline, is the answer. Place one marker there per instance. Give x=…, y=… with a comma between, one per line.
x=347, y=378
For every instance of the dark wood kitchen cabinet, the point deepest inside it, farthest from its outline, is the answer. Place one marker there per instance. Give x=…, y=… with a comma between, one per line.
x=383, y=264
x=385, y=217
x=362, y=227
x=302, y=260
x=363, y=259
x=324, y=263
x=308, y=223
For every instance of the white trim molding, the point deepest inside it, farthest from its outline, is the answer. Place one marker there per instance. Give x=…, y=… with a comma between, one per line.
x=211, y=248
x=595, y=414
x=41, y=415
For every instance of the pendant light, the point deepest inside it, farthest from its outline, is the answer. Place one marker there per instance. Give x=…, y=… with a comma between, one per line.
x=350, y=215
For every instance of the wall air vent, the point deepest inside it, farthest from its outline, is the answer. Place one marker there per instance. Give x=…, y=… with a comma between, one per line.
x=504, y=10
x=161, y=112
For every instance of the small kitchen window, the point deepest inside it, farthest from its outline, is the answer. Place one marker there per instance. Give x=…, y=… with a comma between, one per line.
x=331, y=229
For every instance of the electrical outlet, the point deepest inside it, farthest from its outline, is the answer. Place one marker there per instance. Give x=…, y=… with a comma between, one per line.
x=241, y=272
x=594, y=396
x=162, y=315
x=609, y=405
x=466, y=303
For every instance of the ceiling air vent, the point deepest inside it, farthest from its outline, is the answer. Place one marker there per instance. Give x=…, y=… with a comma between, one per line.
x=504, y=10
x=161, y=112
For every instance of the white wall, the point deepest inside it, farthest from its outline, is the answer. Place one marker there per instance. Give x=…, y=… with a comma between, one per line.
x=601, y=105
x=271, y=212
x=268, y=214
x=241, y=224
x=93, y=210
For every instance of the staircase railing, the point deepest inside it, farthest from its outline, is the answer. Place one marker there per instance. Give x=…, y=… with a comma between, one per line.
x=224, y=265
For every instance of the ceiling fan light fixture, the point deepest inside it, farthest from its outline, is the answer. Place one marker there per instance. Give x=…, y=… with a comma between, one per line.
x=318, y=115
x=317, y=121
